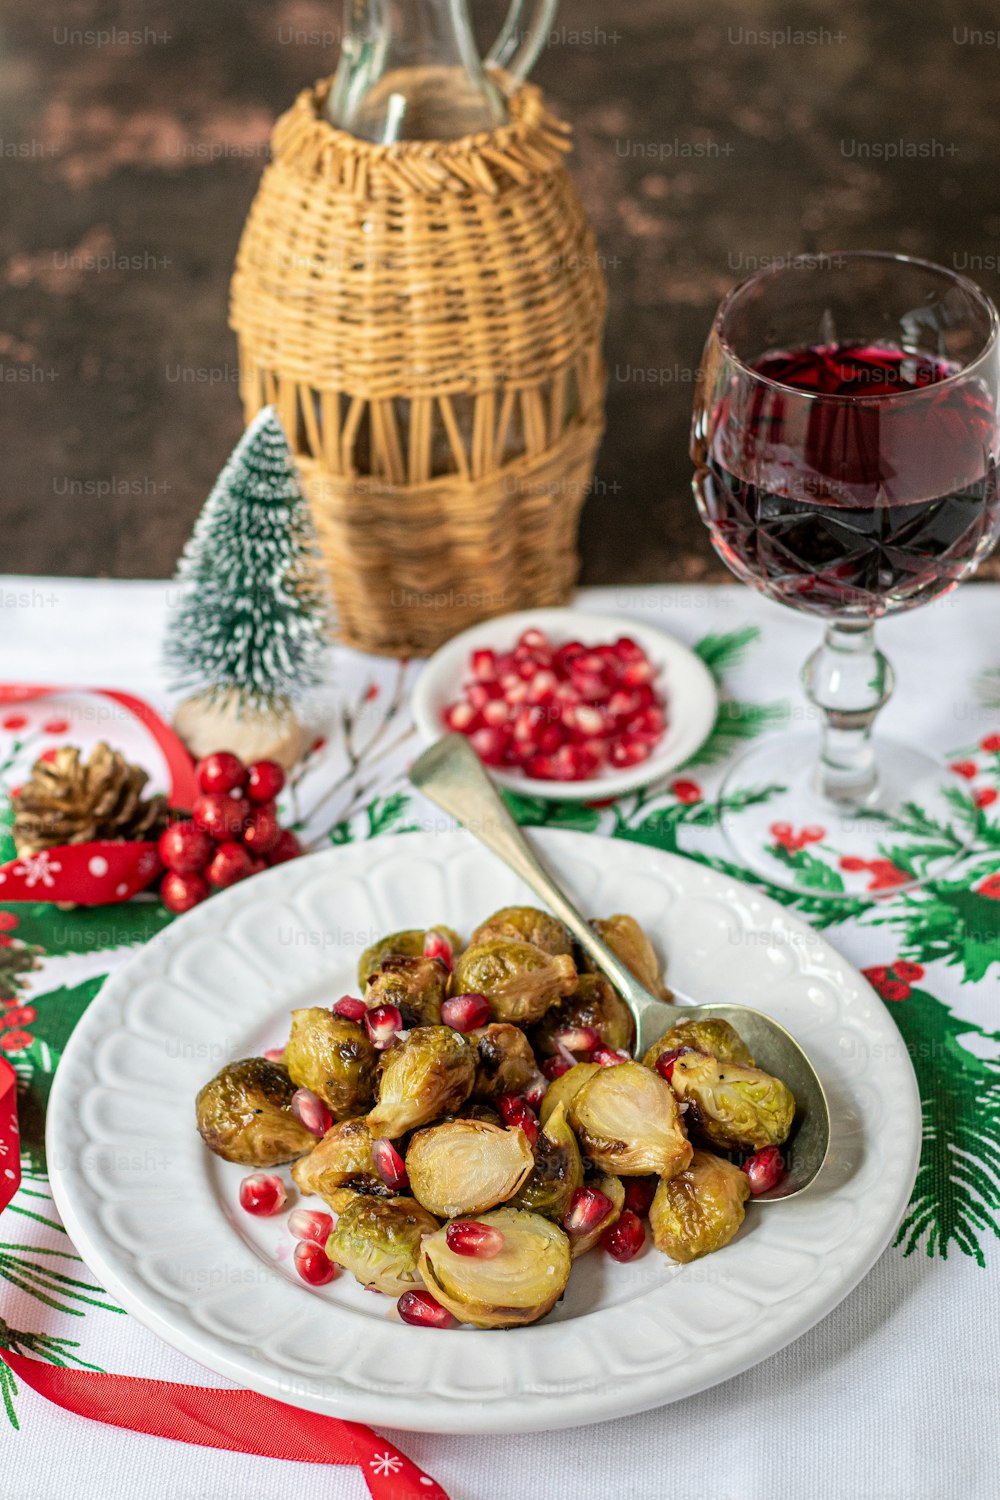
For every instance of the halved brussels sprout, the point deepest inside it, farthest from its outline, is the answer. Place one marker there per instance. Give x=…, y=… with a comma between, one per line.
x=558, y=1170
x=244, y=1114
x=334, y=1058
x=562, y=1089
x=626, y=1121
x=428, y=1074
x=593, y=1003
x=505, y=1062
x=341, y=1166
x=378, y=1241
x=407, y=944
x=524, y=924
x=519, y=980
x=614, y=1189
x=700, y=1209
x=517, y=1286
x=466, y=1166
x=625, y=937
x=416, y=985
x=734, y=1107
x=715, y=1037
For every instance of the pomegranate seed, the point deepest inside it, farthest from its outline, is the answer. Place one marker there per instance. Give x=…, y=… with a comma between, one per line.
x=484, y=665
x=626, y=1238
x=221, y=772
x=436, y=945
x=495, y=715
x=622, y=705
x=274, y=1054
x=535, y=1092
x=639, y=1194
x=478, y=695
x=648, y=721
x=605, y=1058
x=590, y=721
x=638, y=673
x=389, y=1165
x=351, y=1009
x=586, y=1210
x=310, y=1224
x=265, y=781
x=517, y=692
x=626, y=649
x=519, y=1115
x=467, y=1237
x=534, y=639
x=310, y=1111
x=664, y=1064
x=629, y=751
x=542, y=685
x=423, y=1311
x=555, y=1067
x=590, y=686
x=313, y=1264
x=571, y=650
x=465, y=1012
x=460, y=717
x=489, y=744
x=764, y=1170
x=262, y=1194
x=383, y=1025
x=550, y=737
x=578, y=1038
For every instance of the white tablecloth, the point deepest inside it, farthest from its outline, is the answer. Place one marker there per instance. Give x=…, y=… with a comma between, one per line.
x=894, y=1396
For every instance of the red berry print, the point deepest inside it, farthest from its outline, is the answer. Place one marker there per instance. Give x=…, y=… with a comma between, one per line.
x=13, y=722
x=687, y=792
x=966, y=768
x=991, y=744
x=8, y=921
x=908, y=972
x=985, y=796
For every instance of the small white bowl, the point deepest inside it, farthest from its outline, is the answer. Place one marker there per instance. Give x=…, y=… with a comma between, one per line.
x=683, y=678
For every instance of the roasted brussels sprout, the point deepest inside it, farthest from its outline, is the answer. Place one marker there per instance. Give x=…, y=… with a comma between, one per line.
x=558, y=1170
x=466, y=1166
x=700, y=1209
x=524, y=924
x=416, y=985
x=626, y=1121
x=625, y=937
x=428, y=1074
x=505, y=1063
x=613, y=1189
x=735, y=1107
x=244, y=1114
x=562, y=1089
x=408, y=944
x=334, y=1058
x=717, y=1038
x=517, y=1286
x=593, y=1003
x=519, y=980
x=378, y=1241
x=341, y=1166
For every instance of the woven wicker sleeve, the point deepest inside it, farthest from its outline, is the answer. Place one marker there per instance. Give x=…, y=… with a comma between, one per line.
x=427, y=318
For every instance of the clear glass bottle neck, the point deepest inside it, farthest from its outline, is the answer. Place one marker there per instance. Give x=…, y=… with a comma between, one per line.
x=410, y=70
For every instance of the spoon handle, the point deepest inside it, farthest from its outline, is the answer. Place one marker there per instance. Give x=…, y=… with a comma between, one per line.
x=450, y=774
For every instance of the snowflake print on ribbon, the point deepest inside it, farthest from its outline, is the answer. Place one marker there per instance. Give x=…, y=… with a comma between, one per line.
x=38, y=869
x=386, y=1463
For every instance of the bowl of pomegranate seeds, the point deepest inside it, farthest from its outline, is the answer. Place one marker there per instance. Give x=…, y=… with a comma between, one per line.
x=566, y=704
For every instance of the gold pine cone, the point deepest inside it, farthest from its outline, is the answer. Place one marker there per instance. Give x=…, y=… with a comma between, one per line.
x=70, y=801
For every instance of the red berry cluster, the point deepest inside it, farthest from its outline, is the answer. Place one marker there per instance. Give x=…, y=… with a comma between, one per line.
x=893, y=983
x=561, y=713
x=233, y=831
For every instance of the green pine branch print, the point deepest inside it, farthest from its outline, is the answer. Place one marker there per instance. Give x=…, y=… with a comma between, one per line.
x=725, y=650
x=956, y=1197
x=39, y=1346
x=27, y=1268
x=736, y=722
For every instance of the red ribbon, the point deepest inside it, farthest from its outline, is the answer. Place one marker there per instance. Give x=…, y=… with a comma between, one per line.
x=238, y=1421
x=99, y=873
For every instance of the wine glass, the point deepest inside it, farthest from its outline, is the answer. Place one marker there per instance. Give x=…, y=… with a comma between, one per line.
x=845, y=440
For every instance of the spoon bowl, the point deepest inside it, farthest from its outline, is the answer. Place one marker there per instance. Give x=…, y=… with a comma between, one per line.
x=451, y=775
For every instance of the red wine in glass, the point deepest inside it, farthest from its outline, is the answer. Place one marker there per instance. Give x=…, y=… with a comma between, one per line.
x=848, y=508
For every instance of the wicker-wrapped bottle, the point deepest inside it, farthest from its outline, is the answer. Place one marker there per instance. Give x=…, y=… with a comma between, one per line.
x=427, y=316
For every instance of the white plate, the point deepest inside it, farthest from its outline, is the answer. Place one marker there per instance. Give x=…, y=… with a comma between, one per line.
x=692, y=700
x=155, y=1216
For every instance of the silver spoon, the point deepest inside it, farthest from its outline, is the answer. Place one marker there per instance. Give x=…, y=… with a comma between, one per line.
x=451, y=774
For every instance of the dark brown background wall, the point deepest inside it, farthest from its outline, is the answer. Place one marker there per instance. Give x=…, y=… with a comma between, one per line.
x=709, y=137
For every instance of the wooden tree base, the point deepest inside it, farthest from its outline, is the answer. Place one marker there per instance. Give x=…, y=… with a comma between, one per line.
x=206, y=724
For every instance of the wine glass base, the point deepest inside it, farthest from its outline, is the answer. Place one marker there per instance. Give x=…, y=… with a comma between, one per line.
x=918, y=823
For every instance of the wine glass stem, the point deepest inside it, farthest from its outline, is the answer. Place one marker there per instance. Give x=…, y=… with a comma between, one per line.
x=848, y=679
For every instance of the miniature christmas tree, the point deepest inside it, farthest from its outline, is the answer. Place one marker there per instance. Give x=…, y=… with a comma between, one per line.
x=248, y=630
